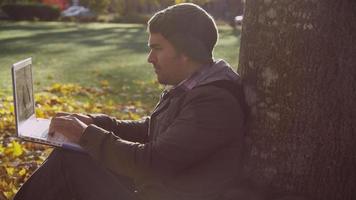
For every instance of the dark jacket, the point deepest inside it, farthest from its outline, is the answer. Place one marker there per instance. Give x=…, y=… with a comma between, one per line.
x=189, y=148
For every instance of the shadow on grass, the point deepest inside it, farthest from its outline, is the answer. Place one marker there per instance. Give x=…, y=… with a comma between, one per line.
x=129, y=38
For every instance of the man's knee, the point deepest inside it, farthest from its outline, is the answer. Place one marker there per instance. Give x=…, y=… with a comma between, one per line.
x=65, y=155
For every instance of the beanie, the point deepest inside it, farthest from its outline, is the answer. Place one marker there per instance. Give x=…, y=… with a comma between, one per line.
x=189, y=28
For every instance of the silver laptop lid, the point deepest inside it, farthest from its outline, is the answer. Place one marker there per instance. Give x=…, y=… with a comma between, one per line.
x=24, y=103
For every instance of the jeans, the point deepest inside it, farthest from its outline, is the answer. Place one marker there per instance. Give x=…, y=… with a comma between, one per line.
x=68, y=174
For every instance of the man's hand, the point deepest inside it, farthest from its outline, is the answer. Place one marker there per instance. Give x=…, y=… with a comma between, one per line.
x=69, y=126
x=84, y=118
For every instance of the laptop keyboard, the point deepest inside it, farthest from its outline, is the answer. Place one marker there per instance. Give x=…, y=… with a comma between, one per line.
x=43, y=129
x=58, y=138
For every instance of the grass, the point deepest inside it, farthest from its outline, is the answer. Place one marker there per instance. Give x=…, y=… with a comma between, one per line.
x=91, y=54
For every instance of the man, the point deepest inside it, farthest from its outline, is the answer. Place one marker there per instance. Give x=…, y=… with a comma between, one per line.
x=188, y=149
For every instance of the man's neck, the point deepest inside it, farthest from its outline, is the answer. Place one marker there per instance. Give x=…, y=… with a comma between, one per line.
x=193, y=68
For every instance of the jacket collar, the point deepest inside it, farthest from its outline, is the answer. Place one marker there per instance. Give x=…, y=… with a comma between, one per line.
x=218, y=70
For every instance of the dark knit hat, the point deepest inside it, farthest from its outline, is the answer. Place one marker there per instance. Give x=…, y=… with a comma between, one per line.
x=189, y=28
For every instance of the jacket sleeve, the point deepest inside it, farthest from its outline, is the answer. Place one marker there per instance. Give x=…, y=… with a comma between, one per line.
x=209, y=119
x=131, y=130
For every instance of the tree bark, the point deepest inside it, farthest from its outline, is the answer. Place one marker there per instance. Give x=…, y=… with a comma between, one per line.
x=298, y=64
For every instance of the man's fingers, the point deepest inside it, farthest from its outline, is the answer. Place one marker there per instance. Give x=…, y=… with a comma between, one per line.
x=53, y=126
x=68, y=126
x=51, y=129
x=75, y=115
x=83, y=118
x=60, y=114
x=57, y=123
x=60, y=119
x=87, y=120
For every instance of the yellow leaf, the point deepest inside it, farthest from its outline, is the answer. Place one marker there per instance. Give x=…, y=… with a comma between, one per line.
x=14, y=190
x=17, y=149
x=12, y=110
x=8, y=194
x=22, y=172
x=40, y=113
x=133, y=116
x=104, y=83
x=10, y=170
x=2, y=149
x=179, y=1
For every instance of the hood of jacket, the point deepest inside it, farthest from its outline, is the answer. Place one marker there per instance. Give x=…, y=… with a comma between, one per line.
x=219, y=70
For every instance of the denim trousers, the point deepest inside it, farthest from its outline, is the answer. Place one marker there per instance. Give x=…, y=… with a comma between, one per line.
x=67, y=174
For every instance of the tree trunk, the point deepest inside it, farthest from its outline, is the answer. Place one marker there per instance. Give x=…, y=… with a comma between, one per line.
x=298, y=63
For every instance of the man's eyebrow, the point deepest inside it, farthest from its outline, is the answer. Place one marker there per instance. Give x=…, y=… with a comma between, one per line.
x=153, y=45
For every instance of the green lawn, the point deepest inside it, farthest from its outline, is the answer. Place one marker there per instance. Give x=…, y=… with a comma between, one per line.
x=90, y=53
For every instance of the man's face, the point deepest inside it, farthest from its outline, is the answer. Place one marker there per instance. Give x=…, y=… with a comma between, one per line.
x=170, y=66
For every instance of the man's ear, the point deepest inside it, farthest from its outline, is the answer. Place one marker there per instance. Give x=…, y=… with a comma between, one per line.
x=185, y=58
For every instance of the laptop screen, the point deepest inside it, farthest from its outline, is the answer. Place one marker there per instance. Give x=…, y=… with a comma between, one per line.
x=23, y=90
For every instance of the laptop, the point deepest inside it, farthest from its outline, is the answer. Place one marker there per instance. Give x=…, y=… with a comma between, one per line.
x=28, y=127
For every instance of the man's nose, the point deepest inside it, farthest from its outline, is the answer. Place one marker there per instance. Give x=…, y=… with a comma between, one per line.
x=150, y=57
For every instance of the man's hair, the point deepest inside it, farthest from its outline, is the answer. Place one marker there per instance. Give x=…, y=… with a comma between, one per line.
x=189, y=28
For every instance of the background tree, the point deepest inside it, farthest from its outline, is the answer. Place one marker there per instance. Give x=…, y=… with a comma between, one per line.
x=126, y=7
x=199, y=2
x=18, y=1
x=297, y=58
x=98, y=6
x=223, y=9
x=132, y=7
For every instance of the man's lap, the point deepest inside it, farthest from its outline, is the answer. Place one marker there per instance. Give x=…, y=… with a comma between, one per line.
x=68, y=174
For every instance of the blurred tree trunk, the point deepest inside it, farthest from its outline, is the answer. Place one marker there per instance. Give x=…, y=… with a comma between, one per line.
x=130, y=7
x=298, y=61
x=126, y=7
x=235, y=7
